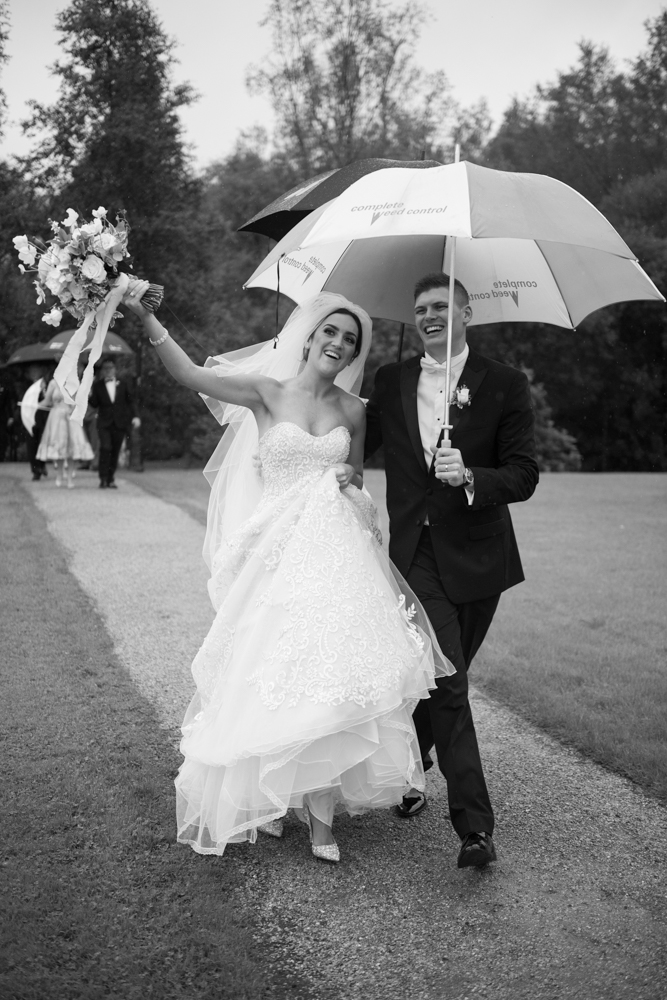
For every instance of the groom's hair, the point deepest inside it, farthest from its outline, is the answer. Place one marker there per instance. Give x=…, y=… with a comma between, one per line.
x=439, y=280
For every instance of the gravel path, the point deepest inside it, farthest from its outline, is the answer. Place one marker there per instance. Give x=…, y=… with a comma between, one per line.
x=575, y=906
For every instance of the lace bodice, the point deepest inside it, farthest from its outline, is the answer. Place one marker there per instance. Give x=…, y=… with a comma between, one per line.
x=291, y=455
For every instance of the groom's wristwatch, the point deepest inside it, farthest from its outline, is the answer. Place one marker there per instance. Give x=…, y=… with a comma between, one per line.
x=468, y=479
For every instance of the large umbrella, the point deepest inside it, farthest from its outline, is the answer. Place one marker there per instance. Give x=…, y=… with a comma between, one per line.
x=30, y=354
x=527, y=247
x=286, y=211
x=113, y=344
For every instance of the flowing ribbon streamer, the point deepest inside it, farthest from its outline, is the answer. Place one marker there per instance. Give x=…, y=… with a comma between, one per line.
x=66, y=375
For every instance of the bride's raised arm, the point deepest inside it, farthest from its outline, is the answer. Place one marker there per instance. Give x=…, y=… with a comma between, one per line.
x=245, y=390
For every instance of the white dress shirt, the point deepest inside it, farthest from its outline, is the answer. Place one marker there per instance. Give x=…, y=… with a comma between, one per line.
x=431, y=403
x=111, y=388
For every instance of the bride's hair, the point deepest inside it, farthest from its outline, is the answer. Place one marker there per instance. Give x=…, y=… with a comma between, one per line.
x=337, y=312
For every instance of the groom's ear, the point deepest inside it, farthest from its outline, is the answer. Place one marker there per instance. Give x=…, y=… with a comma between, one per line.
x=466, y=313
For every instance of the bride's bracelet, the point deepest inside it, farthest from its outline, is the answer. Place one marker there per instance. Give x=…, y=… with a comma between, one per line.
x=160, y=340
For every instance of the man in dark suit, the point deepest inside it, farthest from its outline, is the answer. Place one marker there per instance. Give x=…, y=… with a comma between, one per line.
x=116, y=414
x=41, y=374
x=451, y=534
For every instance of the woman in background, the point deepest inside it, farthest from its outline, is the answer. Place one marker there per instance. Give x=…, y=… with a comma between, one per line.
x=63, y=442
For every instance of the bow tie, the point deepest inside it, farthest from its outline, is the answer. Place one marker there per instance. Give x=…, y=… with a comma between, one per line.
x=434, y=368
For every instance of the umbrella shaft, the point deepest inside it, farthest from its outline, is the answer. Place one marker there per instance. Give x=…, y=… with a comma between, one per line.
x=446, y=443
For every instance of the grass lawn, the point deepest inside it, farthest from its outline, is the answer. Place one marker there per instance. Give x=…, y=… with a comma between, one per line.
x=97, y=900
x=581, y=647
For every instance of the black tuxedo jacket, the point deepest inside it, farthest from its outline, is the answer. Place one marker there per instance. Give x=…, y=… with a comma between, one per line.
x=117, y=414
x=474, y=545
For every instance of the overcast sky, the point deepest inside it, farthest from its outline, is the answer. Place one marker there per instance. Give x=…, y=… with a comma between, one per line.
x=487, y=48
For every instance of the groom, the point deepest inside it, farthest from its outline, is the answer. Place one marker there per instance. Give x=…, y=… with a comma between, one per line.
x=451, y=534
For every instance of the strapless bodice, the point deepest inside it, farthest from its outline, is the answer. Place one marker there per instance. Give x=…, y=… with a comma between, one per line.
x=291, y=455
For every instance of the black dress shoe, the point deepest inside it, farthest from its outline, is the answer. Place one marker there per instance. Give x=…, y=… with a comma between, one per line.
x=476, y=850
x=411, y=805
x=104, y=486
x=112, y=485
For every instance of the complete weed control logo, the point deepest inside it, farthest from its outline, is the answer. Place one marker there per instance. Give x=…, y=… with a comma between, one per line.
x=503, y=290
x=396, y=208
x=308, y=267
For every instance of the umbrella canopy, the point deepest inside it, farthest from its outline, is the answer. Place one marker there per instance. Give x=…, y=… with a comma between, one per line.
x=31, y=353
x=286, y=211
x=113, y=344
x=30, y=404
x=528, y=247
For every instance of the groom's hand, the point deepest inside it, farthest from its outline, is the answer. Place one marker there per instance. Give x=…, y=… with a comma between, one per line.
x=449, y=466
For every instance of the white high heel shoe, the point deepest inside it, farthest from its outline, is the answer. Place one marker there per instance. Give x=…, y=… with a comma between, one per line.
x=274, y=828
x=323, y=852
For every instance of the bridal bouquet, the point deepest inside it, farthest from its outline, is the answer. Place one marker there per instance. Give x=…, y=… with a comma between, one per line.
x=84, y=266
x=80, y=265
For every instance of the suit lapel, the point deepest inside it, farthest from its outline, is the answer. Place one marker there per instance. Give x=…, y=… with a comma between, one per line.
x=472, y=375
x=409, y=378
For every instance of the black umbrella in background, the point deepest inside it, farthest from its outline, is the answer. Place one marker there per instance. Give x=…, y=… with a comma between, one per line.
x=113, y=343
x=276, y=220
x=31, y=353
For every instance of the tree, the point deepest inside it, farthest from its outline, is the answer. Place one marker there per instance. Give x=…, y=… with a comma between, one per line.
x=344, y=85
x=570, y=129
x=603, y=132
x=645, y=123
x=113, y=137
x=19, y=209
x=4, y=37
x=556, y=449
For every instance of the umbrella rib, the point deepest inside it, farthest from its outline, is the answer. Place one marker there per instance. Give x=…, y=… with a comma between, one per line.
x=556, y=281
x=335, y=267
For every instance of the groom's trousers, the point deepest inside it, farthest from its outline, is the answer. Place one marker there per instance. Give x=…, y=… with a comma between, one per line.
x=445, y=719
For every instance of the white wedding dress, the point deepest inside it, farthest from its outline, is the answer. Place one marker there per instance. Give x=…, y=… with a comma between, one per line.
x=308, y=677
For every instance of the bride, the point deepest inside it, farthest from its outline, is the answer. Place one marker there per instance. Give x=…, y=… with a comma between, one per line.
x=318, y=652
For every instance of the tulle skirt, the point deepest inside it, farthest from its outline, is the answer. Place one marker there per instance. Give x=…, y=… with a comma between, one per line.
x=63, y=439
x=309, y=675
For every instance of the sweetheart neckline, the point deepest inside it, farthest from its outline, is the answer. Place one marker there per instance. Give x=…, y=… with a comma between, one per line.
x=318, y=437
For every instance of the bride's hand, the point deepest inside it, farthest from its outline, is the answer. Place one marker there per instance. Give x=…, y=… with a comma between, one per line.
x=344, y=474
x=132, y=297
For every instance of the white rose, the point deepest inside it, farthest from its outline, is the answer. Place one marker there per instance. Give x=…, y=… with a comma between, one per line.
x=92, y=228
x=104, y=243
x=464, y=395
x=93, y=269
x=55, y=281
x=100, y=213
x=52, y=318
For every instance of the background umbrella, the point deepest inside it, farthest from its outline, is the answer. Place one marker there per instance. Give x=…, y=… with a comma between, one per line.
x=32, y=353
x=113, y=344
x=286, y=211
x=527, y=247
x=30, y=404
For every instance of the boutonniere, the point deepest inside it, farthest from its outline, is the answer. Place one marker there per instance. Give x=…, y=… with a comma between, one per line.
x=462, y=396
